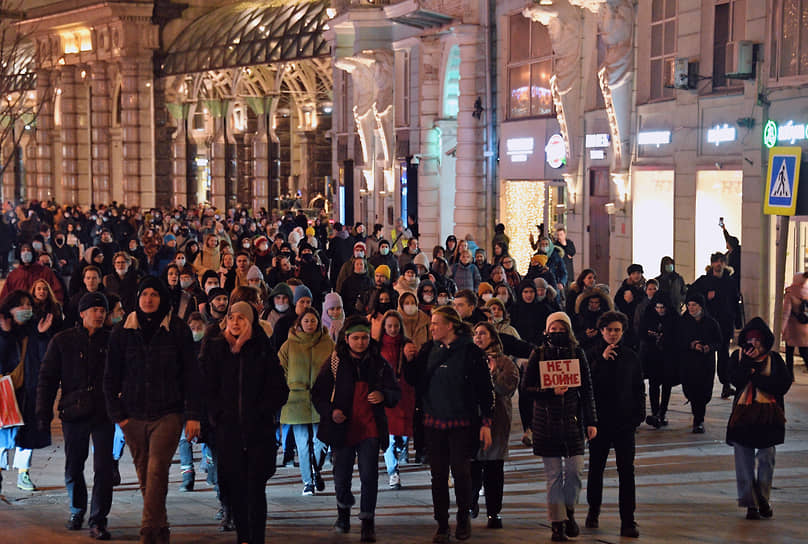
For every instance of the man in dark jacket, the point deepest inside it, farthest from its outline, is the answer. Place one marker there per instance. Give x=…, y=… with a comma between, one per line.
x=150, y=386
x=123, y=281
x=620, y=402
x=721, y=294
x=75, y=359
x=628, y=297
x=386, y=257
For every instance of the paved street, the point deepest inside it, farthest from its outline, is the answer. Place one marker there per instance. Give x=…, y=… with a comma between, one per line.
x=685, y=492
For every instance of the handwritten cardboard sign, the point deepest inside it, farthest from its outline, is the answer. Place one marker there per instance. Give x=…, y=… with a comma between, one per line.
x=560, y=373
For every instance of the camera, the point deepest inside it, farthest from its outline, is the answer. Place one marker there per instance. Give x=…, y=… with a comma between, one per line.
x=721, y=222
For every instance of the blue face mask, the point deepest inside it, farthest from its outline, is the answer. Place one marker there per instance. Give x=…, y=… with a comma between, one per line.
x=668, y=268
x=116, y=319
x=23, y=315
x=198, y=335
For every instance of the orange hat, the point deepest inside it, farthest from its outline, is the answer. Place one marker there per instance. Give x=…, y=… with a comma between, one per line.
x=484, y=287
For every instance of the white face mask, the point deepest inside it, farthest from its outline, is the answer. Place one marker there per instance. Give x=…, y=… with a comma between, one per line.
x=185, y=284
x=359, y=254
x=427, y=298
x=180, y=262
x=282, y=307
x=410, y=309
x=443, y=301
x=487, y=296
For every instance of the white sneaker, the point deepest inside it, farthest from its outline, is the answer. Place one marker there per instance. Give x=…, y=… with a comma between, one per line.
x=395, y=481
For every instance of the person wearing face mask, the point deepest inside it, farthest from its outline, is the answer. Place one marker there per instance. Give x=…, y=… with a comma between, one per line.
x=279, y=304
x=262, y=257
x=555, y=257
x=382, y=301
x=485, y=292
x=563, y=418
x=209, y=280
x=333, y=315
x=498, y=317
x=465, y=273
x=244, y=387
x=356, y=289
x=123, y=280
x=116, y=311
x=426, y=296
x=24, y=276
x=23, y=342
x=671, y=283
x=620, y=404
x=384, y=256
x=408, y=281
x=189, y=293
x=66, y=256
x=698, y=339
x=302, y=355
x=589, y=306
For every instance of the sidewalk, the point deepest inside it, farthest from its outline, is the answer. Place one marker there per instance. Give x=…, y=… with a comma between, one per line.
x=685, y=493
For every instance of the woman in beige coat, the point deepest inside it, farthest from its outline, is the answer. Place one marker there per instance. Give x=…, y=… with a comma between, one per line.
x=795, y=334
x=302, y=356
x=416, y=322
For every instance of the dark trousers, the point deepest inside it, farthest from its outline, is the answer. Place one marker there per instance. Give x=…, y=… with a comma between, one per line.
x=525, y=411
x=77, y=447
x=152, y=444
x=790, y=357
x=654, y=389
x=367, y=453
x=698, y=409
x=488, y=475
x=623, y=443
x=450, y=449
x=418, y=442
x=723, y=355
x=243, y=475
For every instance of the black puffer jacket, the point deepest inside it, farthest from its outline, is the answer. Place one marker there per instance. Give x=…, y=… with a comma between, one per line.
x=559, y=421
x=618, y=386
x=150, y=380
x=243, y=391
x=658, y=343
x=698, y=369
x=76, y=361
x=334, y=390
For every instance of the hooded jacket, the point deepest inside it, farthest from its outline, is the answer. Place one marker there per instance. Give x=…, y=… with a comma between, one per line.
x=301, y=357
x=585, y=319
x=771, y=378
x=672, y=283
x=529, y=319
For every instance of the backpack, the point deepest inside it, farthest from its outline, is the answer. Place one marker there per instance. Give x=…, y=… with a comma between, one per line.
x=801, y=315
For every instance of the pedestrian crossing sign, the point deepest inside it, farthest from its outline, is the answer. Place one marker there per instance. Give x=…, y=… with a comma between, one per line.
x=782, y=181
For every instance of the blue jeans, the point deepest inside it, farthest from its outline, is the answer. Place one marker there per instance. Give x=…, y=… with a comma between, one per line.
x=368, y=453
x=186, y=454
x=563, y=475
x=302, y=436
x=753, y=492
x=77, y=446
x=118, y=443
x=396, y=453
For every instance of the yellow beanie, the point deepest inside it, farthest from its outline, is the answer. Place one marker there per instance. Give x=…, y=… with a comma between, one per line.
x=383, y=269
x=310, y=231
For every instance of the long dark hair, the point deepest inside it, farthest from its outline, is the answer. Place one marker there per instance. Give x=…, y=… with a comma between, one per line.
x=14, y=299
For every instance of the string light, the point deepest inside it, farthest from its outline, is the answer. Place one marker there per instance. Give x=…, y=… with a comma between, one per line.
x=617, y=147
x=524, y=209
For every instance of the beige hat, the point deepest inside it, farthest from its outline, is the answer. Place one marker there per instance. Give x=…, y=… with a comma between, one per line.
x=244, y=309
x=559, y=316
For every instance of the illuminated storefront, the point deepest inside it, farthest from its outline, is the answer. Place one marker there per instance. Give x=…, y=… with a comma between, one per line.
x=652, y=213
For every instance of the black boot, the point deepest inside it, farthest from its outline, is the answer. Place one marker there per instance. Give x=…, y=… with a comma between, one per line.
x=163, y=536
x=570, y=525
x=662, y=421
x=343, y=523
x=727, y=391
x=559, y=533
x=463, y=529
x=368, y=531
x=629, y=530
x=592, y=519
x=653, y=421
x=227, y=524
x=116, y=473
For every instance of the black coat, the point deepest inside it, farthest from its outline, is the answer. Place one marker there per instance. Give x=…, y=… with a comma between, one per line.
x=125, y=287
x=354, y=293
x=629, y=308
x=559, y=421
x=698, y=369
x=658, y=348
x=75, y=360
x=624, y=407
x=529, y=320
x=724, y=304
x=334, y=390
x=242, y=391
x=148, y=380
x=777, y=384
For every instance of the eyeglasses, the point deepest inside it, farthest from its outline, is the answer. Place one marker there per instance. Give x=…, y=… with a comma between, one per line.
x=507, y=262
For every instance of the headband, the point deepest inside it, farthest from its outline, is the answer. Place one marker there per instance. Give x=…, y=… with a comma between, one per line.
x=359, y=327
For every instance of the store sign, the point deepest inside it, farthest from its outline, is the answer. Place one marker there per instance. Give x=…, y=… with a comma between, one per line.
x=555, y=151
x=654, y=137
x=721, y=134
x=519, y=148
x=597, y=140
x=788, y=133
x=597, y=154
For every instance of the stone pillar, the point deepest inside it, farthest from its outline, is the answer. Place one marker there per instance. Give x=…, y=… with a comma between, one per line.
x=470, y=180
x=136, y=125
x=70, y=170
x=218, y=160
x=260, y=151
x=306, y=140
x=100, y=121
x=41, y=177
x=179, y=164
x=428, y=167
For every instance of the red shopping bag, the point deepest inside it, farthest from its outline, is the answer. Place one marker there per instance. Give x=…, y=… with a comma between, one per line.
x=10, y=415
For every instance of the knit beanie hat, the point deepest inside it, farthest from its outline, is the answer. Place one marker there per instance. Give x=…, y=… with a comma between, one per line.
x=332, y=300
x=383, y=269
x=422, y=260
x=302, y=291
x=695, y=296
x=208, y=274
x=244, y=309
x=254, y=273
x=634, y=268
x=484, y=288
x=91, y=300
x=558, y=316
x=216, y=292
x=310, y=231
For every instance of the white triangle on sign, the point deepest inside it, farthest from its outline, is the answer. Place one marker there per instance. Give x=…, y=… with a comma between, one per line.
x=781, y=188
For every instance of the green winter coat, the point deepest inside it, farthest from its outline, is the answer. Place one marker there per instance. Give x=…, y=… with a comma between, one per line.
x=301, y=357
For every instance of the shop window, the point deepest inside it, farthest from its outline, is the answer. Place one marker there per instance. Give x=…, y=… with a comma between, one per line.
x=719, y=193
x=652, y=217
x=728, y=29
x=199, y=118
x=789, y=39
x=528, y=203
x=530, y=67
x=663, y=47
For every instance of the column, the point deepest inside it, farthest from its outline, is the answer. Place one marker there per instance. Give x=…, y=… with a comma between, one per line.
x=70, y=171
x=260, y=152
x=469, y=209
x=218, y=163
x=136, y=127
x=41, y=177
x=179, y=164
x=100, y=122
x=307, y=158
x=428, y=170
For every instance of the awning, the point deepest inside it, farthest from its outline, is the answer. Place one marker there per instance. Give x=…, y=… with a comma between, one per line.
x=411, y=13
x=248, y=34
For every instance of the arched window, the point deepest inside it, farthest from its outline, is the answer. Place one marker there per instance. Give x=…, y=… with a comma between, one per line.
x=530, y=67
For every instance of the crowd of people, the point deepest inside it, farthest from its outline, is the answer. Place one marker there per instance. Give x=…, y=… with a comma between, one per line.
x=251, y=334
